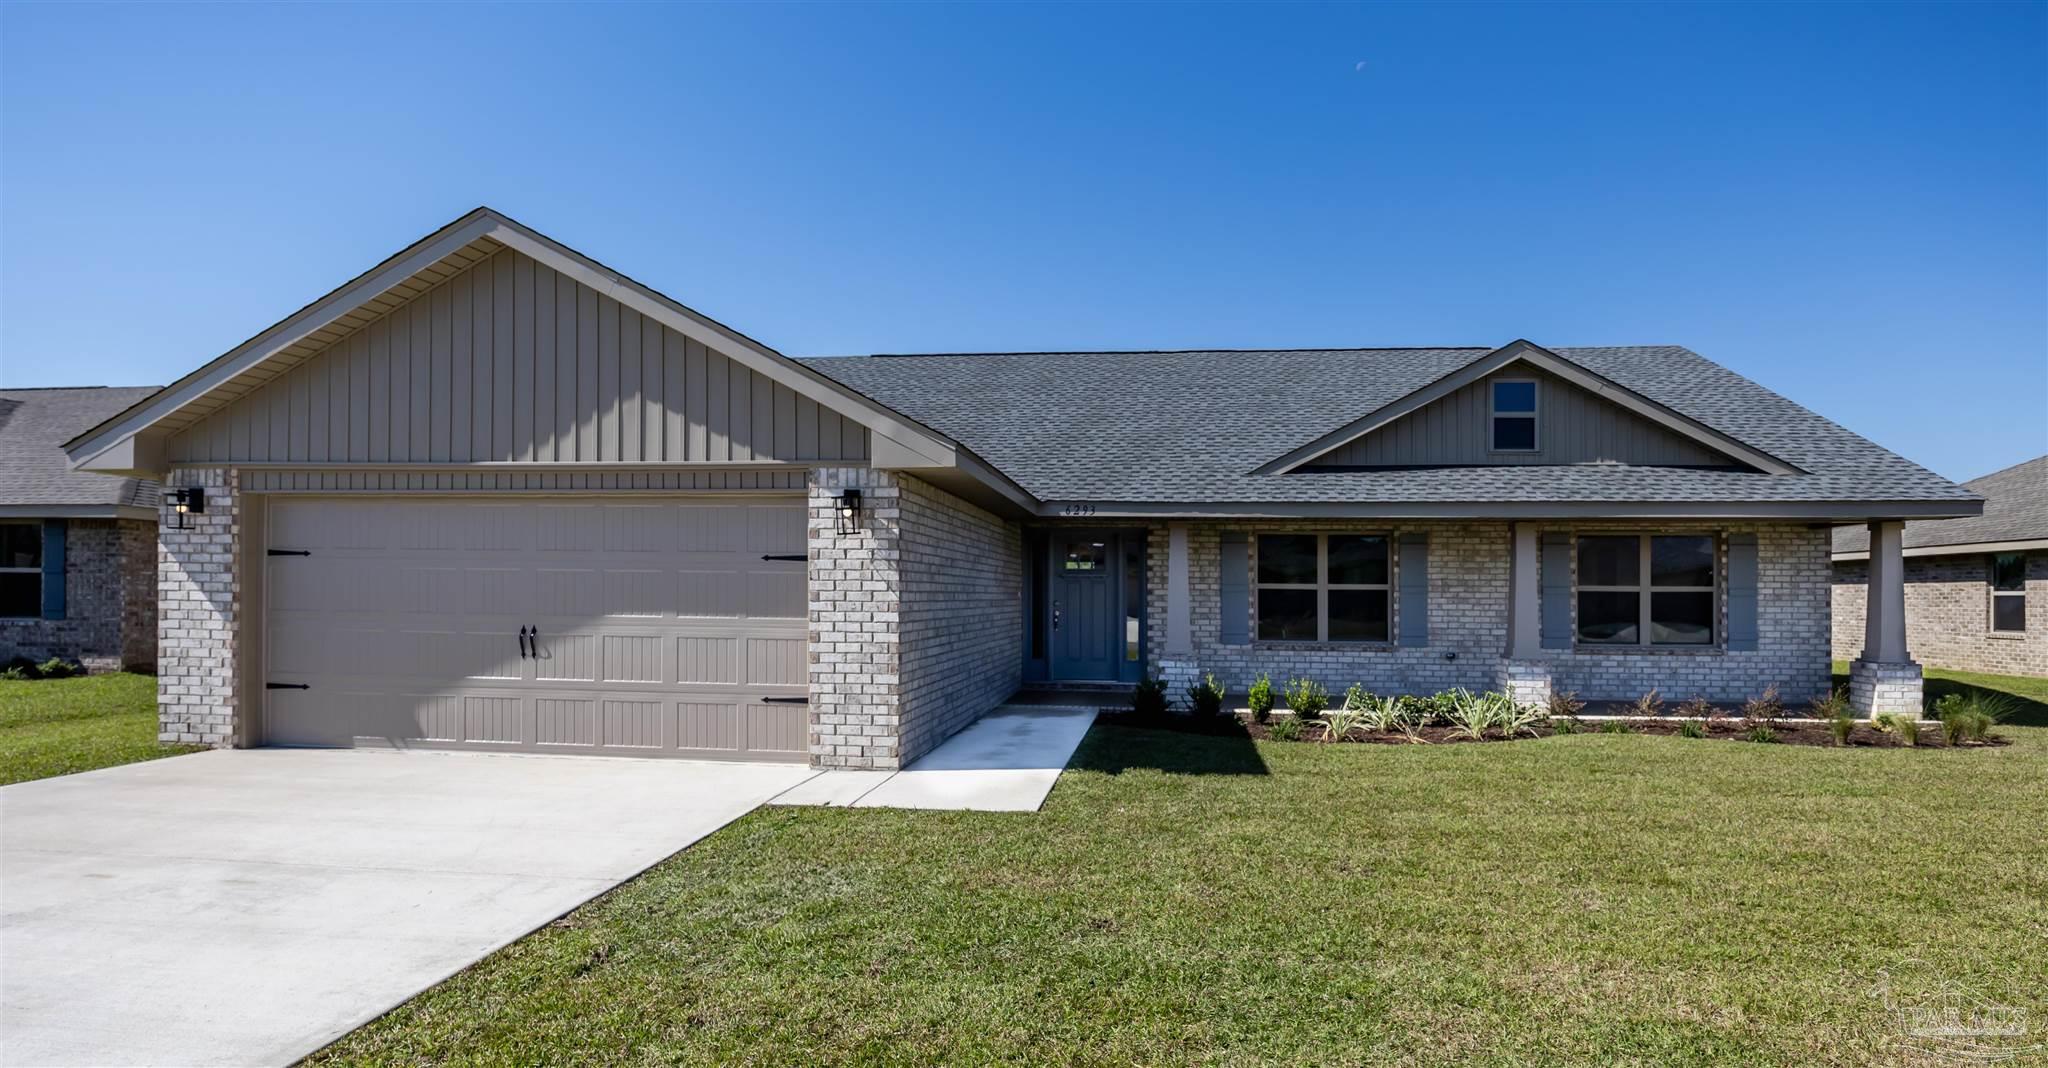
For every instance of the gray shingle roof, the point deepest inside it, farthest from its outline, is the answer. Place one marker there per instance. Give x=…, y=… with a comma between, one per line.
x=35, y=424
x=2015, y=509
x=1189, y=427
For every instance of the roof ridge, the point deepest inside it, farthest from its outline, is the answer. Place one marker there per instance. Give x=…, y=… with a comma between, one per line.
x=52, y=389
x=1152, y=352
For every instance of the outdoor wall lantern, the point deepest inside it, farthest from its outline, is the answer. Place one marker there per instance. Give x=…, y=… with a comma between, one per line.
x=847, y=512
x=188, y=501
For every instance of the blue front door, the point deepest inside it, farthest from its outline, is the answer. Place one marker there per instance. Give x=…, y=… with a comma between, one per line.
x=1086, y=639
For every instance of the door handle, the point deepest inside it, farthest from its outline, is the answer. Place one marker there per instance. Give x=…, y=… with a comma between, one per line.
x=522, y=643
x=1055, y=615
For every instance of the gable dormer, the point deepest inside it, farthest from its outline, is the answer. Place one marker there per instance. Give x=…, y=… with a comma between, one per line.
x=1522, y=405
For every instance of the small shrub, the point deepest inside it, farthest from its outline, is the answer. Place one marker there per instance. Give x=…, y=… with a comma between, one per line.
x=1565, y=705
x=1617, y=726
x=1565, y=725
x=59, y=668
x=1286, y=730
x=1339, y=722
x=1648, y=704
x=1523, y=719
x=1697, y=708
x=1900, y=725
x=1836, y=703
x=1260, y=698
x=1473, y=714
x=1975, y=712
x=1378, y=713
x=1692, y=728
x=1762, y=732
x=1306, y=698
x=1148, y=699
x=1766, y=707
x=21, y=669
x=1205, y=698
x=1842, y=725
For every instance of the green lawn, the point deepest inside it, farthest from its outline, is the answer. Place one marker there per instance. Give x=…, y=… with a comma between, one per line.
x=1590, y=899
x=58, y=726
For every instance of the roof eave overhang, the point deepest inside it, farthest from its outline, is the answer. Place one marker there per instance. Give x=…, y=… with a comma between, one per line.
x=77, y=511
x=1777, y=511
x=1965, y=548
x=1537, y=355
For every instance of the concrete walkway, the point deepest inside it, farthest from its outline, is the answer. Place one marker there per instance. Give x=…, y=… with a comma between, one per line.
x=248, y=907
x=1007, y=761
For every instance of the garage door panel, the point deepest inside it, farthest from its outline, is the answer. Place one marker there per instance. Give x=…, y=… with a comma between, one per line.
x=565, y=721
x=659, y=628
x=630, y=658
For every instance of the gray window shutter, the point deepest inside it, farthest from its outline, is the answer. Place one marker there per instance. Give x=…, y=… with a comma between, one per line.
x=1234, y=588
x=1741, y=592
x=1414, y=565
x=53, y=569
x=1554, y=577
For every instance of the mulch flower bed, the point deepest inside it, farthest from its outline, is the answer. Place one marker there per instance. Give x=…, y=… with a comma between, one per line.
x=1724, y=729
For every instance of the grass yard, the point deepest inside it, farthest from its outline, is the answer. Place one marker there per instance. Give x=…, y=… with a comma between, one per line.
x=58, y=726
x=1591, y=899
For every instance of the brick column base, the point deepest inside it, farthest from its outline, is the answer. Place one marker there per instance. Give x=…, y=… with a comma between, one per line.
x=1526, y=682
x=1877, y=688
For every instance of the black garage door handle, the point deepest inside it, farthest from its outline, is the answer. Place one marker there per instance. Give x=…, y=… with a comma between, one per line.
x=286, y=686
x=786, y=700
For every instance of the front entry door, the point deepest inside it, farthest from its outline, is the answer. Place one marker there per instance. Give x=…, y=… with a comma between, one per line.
x=1085, y=642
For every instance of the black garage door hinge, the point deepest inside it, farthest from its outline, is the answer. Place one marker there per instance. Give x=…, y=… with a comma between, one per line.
x=286, y=686
x=287, y=552
x=784, y=556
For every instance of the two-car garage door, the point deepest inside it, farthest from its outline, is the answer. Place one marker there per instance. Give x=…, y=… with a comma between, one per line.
x=671, y=627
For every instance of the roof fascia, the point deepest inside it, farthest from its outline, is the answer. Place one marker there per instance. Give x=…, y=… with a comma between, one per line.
x=1537, y=356
x=76, y=511
x=1810, y=511
x=1962, y=548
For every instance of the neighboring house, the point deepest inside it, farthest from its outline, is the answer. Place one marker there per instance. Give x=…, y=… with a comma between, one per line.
x=77, y=549
x=1976, y=588
x=493, y=495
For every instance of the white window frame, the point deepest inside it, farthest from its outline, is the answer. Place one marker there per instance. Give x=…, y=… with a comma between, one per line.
x=36, y=527
x=1991, y=605
x=1494, y=415
x=1645, y=589
x=1322, y=585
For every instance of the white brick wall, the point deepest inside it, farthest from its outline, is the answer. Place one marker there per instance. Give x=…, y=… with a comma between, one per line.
x=198, y=604
x=916, y=622
x=1468, y=606
x=1948, y=611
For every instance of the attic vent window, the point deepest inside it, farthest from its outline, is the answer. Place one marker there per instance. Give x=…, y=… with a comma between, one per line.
x=1514, y=415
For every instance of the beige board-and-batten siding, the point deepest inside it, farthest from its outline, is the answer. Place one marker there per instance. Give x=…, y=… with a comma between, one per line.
x=1468, y=585
x=1573, y=426
x=508, y=361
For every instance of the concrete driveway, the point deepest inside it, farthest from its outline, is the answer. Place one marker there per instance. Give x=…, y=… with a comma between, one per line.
x=248, y=907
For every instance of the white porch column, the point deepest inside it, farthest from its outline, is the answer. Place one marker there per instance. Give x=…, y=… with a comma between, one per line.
x=1885, y=678
x=1884, y=618
x=1525, y=633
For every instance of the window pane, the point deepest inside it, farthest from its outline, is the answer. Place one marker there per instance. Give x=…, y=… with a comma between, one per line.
x=1681, y=618
x=1358, y=615
x=1514, y=396
x=1287, y=615
x=2009, y=612
x=1287, y=558
x=1514, y=432
x=1681, y=561
x=1084, y=556
x=1609, y=617
x=2009, y=571
x=1357, y=561
x=21, y=593
x=1608, y=560
x=21, y=545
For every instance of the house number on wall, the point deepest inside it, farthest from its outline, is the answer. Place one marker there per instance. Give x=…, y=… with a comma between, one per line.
x=1077, y=509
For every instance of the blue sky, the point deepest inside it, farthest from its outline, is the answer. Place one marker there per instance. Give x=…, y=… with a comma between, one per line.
x=1847, y=203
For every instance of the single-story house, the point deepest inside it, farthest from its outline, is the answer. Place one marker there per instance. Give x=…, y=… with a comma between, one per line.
x=1976, y=587
x=491, y=494
x=77, y=549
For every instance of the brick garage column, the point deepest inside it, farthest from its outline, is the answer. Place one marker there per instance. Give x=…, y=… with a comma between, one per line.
x=198, y=607
x=855, y=616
